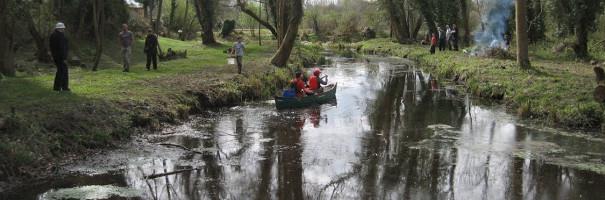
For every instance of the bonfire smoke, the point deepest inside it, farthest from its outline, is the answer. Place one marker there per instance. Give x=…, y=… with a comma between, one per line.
x=494, y=25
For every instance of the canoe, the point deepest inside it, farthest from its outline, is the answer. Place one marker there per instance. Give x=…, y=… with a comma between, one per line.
x=328, y=95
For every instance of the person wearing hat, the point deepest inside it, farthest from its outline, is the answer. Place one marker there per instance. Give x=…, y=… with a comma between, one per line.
x=58, y=50
x=238, y=51
x=151, y=49
x=126, y=39
x=315, y=82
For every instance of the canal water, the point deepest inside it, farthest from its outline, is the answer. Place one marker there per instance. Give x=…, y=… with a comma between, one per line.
x=392, y=133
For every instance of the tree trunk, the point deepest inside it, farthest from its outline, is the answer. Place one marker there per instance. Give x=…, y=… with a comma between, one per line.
x=464, y=11
x=417, y=28
x=581, y=46
x=151, y=7
x=7, y=66
x=427, y=14
x=204, y=10
x=41, y=45
x=289, y=15
x=173, y=6
x=522, y=43
x=158, y=19
x=98, y=15
x=400, y=25
x=82, y=13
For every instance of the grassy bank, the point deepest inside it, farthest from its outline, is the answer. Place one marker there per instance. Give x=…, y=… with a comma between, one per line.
x=557, y=90
x=39, y=127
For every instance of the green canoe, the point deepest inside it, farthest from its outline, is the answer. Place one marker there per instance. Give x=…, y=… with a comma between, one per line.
x=328, y=95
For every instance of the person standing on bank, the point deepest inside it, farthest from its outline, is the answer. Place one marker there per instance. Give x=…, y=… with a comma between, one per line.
x=58, y=49
x=442, y=39
x=455, y=37
x=238, y=51
x=151, y=50
x=126, y=40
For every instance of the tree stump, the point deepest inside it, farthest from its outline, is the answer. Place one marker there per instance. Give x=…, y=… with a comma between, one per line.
x=600, y=75
x=599, y=94
x=599, y=91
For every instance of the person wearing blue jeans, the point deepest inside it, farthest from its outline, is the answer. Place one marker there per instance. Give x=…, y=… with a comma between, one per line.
x=238, y=51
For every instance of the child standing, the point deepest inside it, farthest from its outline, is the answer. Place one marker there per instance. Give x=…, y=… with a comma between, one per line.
x=433, y=43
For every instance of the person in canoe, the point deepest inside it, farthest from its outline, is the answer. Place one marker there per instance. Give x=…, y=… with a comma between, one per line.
x=315, y=81
x=301, y=88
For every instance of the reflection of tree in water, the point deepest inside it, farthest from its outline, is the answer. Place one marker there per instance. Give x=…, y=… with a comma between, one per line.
x=212, y=170
x=286, y=151
x=289, y=158
x=400, y=115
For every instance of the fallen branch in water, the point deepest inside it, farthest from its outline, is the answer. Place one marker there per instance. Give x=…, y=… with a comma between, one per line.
x=182, y=147
x=169, y=173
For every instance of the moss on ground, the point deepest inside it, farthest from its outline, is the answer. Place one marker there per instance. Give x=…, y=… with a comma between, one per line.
x=39, y=127
x=556, y=90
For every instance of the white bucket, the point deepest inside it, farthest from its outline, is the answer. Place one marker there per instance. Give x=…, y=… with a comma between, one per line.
x=231, y=61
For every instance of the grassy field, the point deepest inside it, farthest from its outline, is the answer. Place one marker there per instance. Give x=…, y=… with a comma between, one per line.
x=38, y=125
x=557, y=90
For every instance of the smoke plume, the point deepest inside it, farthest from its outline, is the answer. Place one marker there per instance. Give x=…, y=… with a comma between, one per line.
x=494, y=24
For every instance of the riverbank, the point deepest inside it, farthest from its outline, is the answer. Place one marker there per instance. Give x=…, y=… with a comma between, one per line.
x=40, y=128
x=556, y=91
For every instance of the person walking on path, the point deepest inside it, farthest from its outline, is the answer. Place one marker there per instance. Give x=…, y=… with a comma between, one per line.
x=433, y=43
x=151, y=50
x=126, y=40
x=442, y=39
x=238, y=51
x=58, y=49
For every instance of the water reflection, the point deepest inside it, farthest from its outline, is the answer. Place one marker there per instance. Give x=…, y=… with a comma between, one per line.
x=395, y=134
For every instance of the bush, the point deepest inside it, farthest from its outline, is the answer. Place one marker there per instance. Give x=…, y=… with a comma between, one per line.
x=228, y=28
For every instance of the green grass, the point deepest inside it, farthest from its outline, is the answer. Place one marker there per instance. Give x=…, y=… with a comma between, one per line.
x=108, y=105
x=556, y=90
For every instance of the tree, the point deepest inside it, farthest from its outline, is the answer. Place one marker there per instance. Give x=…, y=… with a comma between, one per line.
x=289, y=14
x=405, y=24
x=522, y=43
x=173, y=7
x=98, y=23
x=535, y=20
x=7, y=66
x=204, y=10
x=158, y=19
x=579, y=16
x=39, y=40
x=270, y=6
x=427, y=13
x=465, y=12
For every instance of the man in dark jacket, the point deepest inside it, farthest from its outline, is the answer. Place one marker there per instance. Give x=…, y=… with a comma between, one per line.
x=455, y=37
x=151, y=49
x=58, y=49
x=442, y=39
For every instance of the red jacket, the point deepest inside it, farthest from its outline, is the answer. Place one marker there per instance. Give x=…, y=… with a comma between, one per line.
x=300, y=86
x=314, y=83
x=434, y=40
